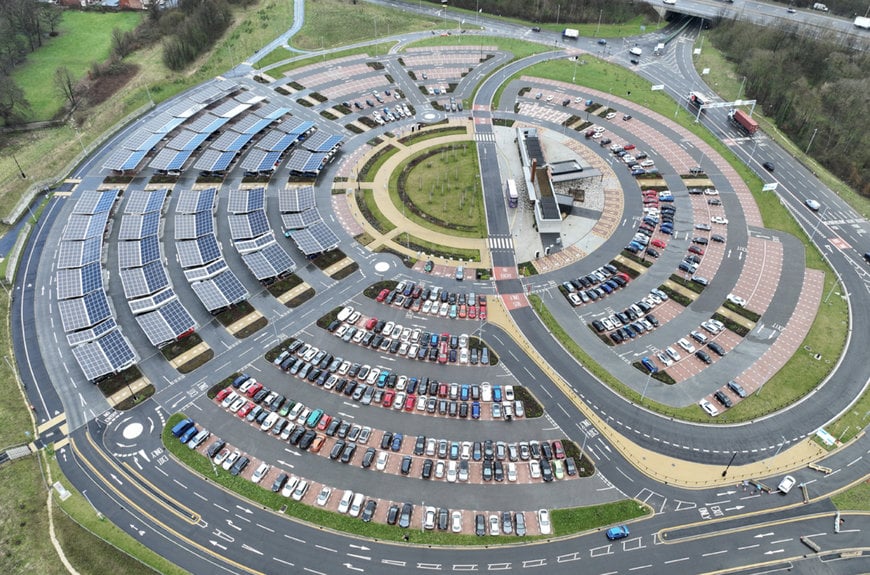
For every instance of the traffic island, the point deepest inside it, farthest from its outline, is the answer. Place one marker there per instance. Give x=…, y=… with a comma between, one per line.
x=242, y=320
x=187, y=354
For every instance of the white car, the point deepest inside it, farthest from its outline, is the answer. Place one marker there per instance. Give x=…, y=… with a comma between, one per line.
x=290, y=486
x=260, y=473
x=544, y=521
x=427, y=307
x=301, y=490
x=229, y=399
x=684, y=343
x=719, y=220
x=429, y=518
x=813, y=205
x=383, y=458
x=736, y=300
x=463, y=340
x=344, y=504
x=508, y=393
x=463, y=355
x=709, y=408
x=663, y=357
x=323, y=496
x=344, y=313
x=486, y=392
x=786, y=484
x=647, y=163
x=610, y=116
x=442, y=311
x=534, y=469
x=711, y=192
x=228, y=462
x=451, y=472
x=673, y=354
x=512, y=472
x=456, y=522
x=493, y=525
x=439, y=470
x=356, y=504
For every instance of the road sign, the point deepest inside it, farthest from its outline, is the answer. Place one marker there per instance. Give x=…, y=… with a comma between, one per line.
x=770, y=187
x=657, y=87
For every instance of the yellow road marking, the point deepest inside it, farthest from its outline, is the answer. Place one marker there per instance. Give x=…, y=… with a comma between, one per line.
x=50, y=423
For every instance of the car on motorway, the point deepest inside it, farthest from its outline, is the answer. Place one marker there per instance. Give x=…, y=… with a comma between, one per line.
x=813, y=205
x=618, y=532
x=786, y=484
x=768, y=166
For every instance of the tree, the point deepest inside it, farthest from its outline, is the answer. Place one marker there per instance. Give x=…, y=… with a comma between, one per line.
x=51, y=15
x=13, y=105
x=66, y=85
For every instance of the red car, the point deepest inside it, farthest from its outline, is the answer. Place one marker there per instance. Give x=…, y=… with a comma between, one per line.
x=696, y=250
x=246, y=409
x=472, y=312
x=463, y=311
x=410, y=402
x=388, y=399
x=324, y=422
x=659, y=243
x=222, y=394
x=442, y=352
x=628, y=147
x=383, y=295
x=371, y=323
x=252, y=391
x=558, y=450
x=482, y=315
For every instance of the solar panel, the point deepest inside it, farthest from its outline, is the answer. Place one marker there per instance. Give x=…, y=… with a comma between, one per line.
x=272, y=111
x=255, y=244
x=270, y=262
x=314, y=239
x=314, y=164
x=276, y=141
x=296, y=199
x=243, y=201
x=296, y=126
x=137, y=253
x=197, y=252
x=230, y=109
x=192, y=226
x=81, y=313
x=166, y=323
x=142, y=140
x=73, y=254
x=78, y=281
x=246, y=226
x=82, y=227
x=299, y=220
x=322, y=141
x=145, y=201
x=78, y=337
x=205, y=272
x=138, y=226
x=299, y=160
x=229, y=141
x=184, y=109
x=187, y=140
x=230, y=286
x=144, y=281
x=151, y=302
x=254, y=160
x=214, y=160
x=123, y=160
x=220, y=291
x=193, y=201
x=93, y=201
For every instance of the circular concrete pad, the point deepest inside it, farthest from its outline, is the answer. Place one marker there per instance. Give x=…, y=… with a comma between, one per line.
x=133, y=431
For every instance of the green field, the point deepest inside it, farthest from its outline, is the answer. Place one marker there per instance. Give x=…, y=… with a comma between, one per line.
x=85, y=37
x=444, y=186
x=856, y=498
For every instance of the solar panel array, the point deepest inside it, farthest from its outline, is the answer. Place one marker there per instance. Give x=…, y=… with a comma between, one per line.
x=146, y=284
x=212, y=281
x=187, y=112
x=308, y=164
x=84, y=308
x=259, y=160
x=322, y=141
x=303, y=223
x=252, y=236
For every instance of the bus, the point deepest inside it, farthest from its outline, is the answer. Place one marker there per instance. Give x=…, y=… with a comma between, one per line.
x=512, y=195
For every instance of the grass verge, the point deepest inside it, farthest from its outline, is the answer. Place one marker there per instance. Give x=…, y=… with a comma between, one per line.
x=431, y=248
x=570, y=520
x=855, y=498
x=368, y=207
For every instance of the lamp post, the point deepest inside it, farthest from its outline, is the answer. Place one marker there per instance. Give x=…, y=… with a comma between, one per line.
x=643, y=395
x=20, y=171
x=813, y=137
x=727, y=467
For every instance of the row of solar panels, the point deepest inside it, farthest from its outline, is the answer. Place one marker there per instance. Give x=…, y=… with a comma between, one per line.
x=146, y=284
x=303, y=223
x=97, y=343
x=212, y=281
x=252, y=236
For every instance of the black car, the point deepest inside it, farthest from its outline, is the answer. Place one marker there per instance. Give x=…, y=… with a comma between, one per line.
x=498, y=471
x=239, y=465
x=443, y=518
x=405, y=517
x=736, y=388
x=296, y=435
x=487, y=470
x=546, y=470
x=428, y=464
x=570, y=468
x=406, y=465
x=347, y=452
x=722, y=398
x=463, y=410
x=392, y=514
x=215, y=447
x=279, y=482
x=420, y=445
x=704, y=356
x=337, y=449
x=717, y=349
x=479, y=525
x=386, y=440
x=768, y=166
x=369, y=510
x=368, y=457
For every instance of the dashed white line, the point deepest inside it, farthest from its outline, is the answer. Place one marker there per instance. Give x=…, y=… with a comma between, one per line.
x=640, y=567
x=282, y=561
x=326, y=548
x=296, y=539
x=676, y=560
x=200, y=496
x=782, y=541
x=714, y=553
x=367, y=558
x=269, y=529
x=747, y=547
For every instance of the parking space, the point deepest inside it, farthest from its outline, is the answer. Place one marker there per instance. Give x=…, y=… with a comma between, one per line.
x=761, y=273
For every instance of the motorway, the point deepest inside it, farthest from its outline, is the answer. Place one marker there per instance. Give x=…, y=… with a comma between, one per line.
x=205, y=529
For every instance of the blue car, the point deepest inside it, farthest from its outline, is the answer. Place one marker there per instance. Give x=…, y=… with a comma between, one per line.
x=397, y=442
x=475, y=410
x=649, y=365
x=619, y=532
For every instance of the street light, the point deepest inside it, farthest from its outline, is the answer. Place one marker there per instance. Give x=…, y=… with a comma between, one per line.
x=807, y=151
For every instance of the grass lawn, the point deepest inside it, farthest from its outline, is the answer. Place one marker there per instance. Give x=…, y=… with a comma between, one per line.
x=519, y=48
x=856, y=498
x=444, y=189
x=281, y=54
x=331, y=23
x=427, y=247
x=577, y=519
x=85, y=37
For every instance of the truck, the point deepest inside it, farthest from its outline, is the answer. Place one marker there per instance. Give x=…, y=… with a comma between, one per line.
x=571, y=33
x=820, y=7
x=743, y=121
x=660, y=49
x=697, y=100
x=635, y=51
x=862, y=22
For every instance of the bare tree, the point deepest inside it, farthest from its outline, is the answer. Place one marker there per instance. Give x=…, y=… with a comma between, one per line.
x=13, y=104
x=66, y=85
x=51, y=14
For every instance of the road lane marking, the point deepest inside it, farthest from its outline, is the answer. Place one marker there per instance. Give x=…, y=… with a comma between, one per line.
x=714, y=553
x=676, y=560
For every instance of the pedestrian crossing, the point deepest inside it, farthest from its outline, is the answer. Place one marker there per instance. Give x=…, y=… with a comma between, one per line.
x=484, y=137
x=501, y=243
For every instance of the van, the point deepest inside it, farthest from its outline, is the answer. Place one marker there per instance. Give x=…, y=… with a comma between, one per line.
x=181, y=427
